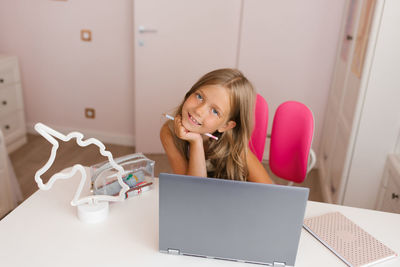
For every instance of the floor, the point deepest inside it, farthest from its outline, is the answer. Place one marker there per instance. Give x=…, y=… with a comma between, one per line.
x=33, y=155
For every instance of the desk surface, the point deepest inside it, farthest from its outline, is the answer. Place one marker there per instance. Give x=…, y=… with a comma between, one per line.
x=45, y=231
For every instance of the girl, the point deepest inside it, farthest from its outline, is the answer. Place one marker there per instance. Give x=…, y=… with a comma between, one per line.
x=220, y=103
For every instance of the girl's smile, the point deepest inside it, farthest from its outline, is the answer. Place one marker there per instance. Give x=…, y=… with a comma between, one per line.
x=193, y=120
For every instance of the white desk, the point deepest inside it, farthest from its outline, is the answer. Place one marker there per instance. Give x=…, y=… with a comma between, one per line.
x=45, y=231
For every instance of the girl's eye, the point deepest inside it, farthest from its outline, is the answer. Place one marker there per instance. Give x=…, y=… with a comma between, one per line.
x=215, y=112
x=199, y=97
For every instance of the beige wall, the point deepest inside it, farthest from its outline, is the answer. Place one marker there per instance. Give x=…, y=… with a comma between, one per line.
x=62, y=75
x=288, y=51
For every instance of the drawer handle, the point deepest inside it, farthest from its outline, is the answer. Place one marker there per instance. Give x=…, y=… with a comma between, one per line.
x=7, y=127
x=394, y=196
x=1, y=80
x=4, y=102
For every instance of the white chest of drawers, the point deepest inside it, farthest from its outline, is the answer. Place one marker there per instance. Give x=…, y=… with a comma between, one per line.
x=12, y=119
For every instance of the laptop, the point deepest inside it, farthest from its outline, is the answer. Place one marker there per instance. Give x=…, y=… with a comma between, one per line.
x=230, y=220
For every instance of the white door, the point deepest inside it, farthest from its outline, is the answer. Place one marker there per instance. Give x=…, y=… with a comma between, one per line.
x=176, y=42
x=335, y=138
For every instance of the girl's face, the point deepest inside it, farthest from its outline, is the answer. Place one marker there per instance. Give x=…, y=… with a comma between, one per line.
x=207, y=110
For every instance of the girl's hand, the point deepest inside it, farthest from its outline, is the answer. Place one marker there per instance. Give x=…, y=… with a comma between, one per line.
x=185, y=134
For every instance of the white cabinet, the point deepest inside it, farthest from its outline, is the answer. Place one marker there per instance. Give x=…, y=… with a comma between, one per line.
x=362, y=119
x=12, y=120
x=389, y=195
x=10, y=193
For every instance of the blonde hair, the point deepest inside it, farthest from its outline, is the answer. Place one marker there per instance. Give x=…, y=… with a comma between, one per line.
x=228, y=154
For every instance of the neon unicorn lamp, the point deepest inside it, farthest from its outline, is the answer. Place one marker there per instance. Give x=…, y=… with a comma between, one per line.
x=92, y=208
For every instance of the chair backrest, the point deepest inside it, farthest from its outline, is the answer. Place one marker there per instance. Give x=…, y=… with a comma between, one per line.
x=291, y=137
x=259, y=134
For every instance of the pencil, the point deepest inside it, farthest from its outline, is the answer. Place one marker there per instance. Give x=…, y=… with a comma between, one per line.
x=206, y=134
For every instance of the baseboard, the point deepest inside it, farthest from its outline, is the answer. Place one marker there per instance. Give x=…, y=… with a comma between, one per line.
x=105, y=137
x=11, y=147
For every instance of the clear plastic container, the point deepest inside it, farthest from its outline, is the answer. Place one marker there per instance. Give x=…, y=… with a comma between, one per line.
x=138, y=175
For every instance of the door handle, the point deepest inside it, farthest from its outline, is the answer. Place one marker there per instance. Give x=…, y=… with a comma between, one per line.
x=143, y=29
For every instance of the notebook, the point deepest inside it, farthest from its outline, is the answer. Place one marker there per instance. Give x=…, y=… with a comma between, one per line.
x=230, y=220
x=347, y=240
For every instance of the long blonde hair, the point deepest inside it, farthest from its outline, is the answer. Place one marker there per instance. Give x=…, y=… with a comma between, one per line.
x=228, y=154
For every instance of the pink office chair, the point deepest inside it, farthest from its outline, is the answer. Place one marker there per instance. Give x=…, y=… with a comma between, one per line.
x=291, y=137
x=290, y=145
x=259, y=135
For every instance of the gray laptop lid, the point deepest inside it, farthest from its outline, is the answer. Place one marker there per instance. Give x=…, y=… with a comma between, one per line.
x=231, y=220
